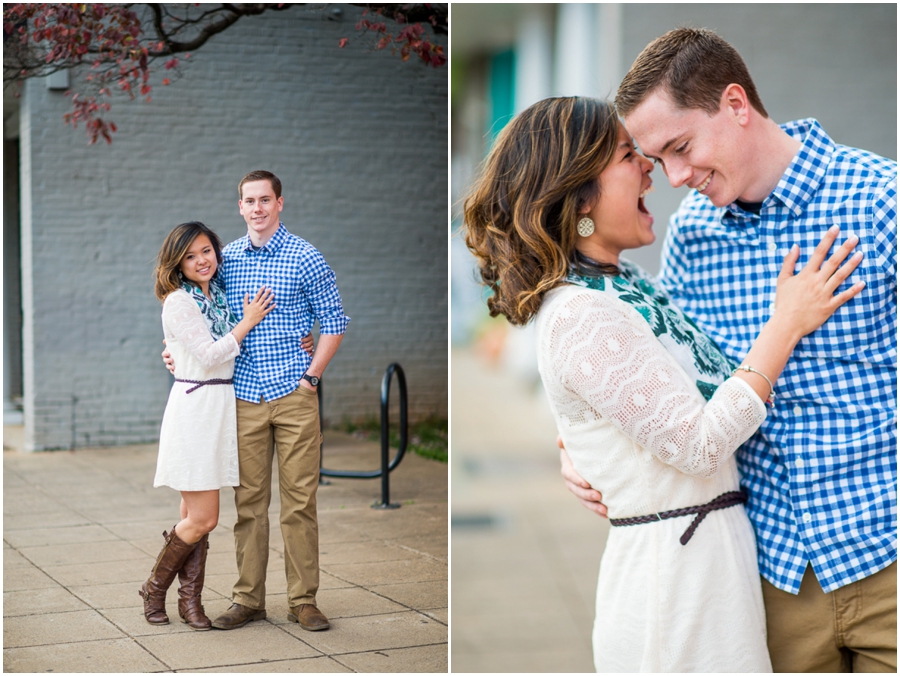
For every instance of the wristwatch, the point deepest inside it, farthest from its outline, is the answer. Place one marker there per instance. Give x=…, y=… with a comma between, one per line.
x=313, y=380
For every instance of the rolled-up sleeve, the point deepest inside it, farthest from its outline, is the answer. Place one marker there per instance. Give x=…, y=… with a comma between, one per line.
x=323, y=296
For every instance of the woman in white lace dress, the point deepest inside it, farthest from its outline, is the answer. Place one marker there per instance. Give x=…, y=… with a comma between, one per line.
x=646, y=404
x=198, y=439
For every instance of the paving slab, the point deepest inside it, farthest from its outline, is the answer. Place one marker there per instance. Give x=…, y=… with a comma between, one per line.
x=59, y=518
x=401, y=660
x=82, y=552
x=57, y=536
x=310, y=665
x=18, y=578
x=82, y=574
x=363, y=552
x=57, y=627
x=73, y=560
x=422, y=595
x=40, y=601
x=200, y=649
x=374, y=632
x=108, y=656
x=405, y=570
x=13, y=559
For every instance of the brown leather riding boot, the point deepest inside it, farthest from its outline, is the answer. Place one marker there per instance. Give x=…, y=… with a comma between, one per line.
x=190, y=579
x=167, y=565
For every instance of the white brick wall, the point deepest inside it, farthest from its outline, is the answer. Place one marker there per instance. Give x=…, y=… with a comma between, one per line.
x=357, y=138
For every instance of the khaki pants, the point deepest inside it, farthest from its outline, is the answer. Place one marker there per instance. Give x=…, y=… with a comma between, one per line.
x=290, y=427
x=852, y=629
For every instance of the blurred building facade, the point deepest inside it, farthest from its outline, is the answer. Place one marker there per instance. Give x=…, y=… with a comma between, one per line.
x=835, y=62
x=358, y=139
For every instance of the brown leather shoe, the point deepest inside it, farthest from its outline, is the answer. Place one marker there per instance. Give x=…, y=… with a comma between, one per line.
x=168, y=563
x=191, y=577
x=238, y=616
x=309, y=617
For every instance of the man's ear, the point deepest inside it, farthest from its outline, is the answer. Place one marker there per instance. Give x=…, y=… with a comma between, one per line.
x=735, y=103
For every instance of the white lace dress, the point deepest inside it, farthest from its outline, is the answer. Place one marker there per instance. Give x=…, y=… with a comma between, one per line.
x=649, y=417
x=198, y=438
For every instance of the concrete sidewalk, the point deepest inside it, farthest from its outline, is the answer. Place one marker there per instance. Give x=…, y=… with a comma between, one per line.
x=82, y=529
x=525, y=553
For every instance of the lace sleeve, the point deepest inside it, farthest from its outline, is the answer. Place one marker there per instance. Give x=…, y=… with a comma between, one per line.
x=604, y=353
x=183, y=318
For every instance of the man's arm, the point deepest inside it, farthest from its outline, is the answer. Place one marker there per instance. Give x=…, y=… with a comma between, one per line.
x=167, y=359
x=325, y=350
x=582, y=490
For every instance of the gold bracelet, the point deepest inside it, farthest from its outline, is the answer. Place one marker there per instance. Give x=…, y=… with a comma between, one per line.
x=771, y=398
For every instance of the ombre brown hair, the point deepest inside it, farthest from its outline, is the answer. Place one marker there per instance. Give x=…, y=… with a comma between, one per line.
x=693, y=66
x=521, y=217
x=174, y=248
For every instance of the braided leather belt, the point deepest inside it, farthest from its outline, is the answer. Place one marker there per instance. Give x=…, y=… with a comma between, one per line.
x=200, y=383
x=725, y=500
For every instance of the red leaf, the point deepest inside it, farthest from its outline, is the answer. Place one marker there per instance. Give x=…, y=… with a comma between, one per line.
x=343, y=42
x=166, y=81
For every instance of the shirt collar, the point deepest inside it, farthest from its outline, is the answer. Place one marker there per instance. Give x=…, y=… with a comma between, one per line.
x=272, y=245
x=801, y=180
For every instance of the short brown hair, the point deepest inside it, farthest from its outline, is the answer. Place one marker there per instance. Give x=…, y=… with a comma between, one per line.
x=261, y=175
x=693, y=66
x=174, y=248
x=521, y=218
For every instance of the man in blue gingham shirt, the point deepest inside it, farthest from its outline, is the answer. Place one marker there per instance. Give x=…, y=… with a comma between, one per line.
x=271, y=363
x=821, y=472
x=276, y=382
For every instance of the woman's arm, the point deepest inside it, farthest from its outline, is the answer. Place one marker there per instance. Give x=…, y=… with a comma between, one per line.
x=184, y=320
x=607, y=355
x=602, y=351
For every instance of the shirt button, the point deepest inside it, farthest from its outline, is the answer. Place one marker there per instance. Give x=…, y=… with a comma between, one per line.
x=797, y=410
x=772, y=246
x=799, y=463
x=807, y=517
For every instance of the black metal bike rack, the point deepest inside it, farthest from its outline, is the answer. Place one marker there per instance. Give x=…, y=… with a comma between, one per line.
x=386, y=465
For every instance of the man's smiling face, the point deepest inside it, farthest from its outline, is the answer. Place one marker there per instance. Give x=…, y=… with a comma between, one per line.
x=260, y=208
x=694, y=148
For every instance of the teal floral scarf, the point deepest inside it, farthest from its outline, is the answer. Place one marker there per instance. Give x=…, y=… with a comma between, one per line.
x=219, y=317
x=697, y=354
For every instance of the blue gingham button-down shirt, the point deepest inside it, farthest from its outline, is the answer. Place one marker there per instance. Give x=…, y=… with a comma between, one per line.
x=821, y=472
x=272, y=362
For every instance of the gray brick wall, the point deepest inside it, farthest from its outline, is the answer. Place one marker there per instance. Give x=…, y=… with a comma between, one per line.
x=359, y=141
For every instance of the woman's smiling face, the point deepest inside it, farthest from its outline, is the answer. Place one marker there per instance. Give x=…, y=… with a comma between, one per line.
x=199, y=263
x=621, y=221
